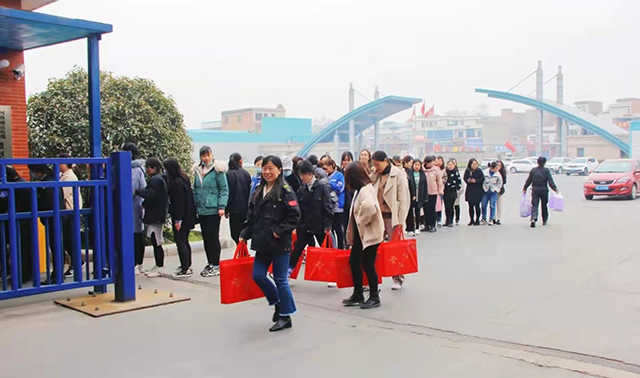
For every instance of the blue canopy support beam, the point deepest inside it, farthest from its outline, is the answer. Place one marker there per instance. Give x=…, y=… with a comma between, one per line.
x=609, y=132
x=95, y=138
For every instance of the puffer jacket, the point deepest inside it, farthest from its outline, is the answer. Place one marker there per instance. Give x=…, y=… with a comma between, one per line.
x=316, y=208
x=156, y=200
x=211, y=190
x=492, y=181
x=277, y=213
x=336, y=180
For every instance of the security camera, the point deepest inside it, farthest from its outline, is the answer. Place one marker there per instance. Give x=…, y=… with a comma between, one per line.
x=18, y=72
x=4, y=63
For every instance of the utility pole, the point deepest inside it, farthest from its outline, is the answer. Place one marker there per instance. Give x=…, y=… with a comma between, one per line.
x=539, y=97
x=562, y=132
x=376, y=126
x=352, y=124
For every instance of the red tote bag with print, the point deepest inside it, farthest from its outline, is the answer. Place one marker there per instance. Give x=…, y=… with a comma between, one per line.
x=296, y=270
x=398, y=256
x=236, y=278
x=343, y=268
x=321, y=262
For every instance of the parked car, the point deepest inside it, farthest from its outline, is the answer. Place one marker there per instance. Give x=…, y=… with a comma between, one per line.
x=614, y=177
x=484, y=164
x=558, y=164
x=521, y=166
x=581, y=166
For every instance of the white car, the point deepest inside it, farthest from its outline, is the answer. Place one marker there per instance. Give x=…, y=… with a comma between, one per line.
x=558, y=164
x=522, y=165
x=581, y=166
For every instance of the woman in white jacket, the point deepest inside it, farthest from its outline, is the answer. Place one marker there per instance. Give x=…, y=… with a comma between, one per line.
x=365, y=232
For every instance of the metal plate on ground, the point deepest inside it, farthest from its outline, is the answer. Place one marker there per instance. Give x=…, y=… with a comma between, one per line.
x=105, y=304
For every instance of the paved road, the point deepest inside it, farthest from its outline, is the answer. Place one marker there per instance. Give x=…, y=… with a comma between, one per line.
x=507, y=301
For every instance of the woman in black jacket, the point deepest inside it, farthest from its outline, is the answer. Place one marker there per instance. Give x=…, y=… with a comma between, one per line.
x=451, y=188
x=474, y=177
x=292, y=177
x=239, y=182
x=182, y=209
x=503, y=171
x=155, y=211
x=345, y=160
x=316, y=212
x=273, y=215
x=407, y=165
x=420, y=181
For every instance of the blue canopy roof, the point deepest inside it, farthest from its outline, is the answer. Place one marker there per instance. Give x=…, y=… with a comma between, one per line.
x=23, y=30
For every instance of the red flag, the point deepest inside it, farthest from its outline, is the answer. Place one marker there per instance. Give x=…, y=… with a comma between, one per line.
x=423, y=108
x=413, y=116
x=430, y=112
x=509, y=146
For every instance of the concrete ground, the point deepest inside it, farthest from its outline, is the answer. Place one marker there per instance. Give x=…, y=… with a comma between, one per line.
x=506, y=301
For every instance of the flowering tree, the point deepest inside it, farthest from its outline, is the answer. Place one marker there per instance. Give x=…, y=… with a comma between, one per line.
x=133, y=110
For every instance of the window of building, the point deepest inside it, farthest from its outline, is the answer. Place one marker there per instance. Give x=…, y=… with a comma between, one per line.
x=471, y=133
x=239, y=118
x=226, y=120
x=460, y=134
x=580, y=152
x=273, y=115
x=258, y=117
x=265, y=115
x=479, y=133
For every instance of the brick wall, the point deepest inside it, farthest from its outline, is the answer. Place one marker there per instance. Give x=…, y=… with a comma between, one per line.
x=15, y=4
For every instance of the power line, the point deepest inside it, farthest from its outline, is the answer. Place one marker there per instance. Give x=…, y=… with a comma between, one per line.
x=522, y=81
x=363, y=96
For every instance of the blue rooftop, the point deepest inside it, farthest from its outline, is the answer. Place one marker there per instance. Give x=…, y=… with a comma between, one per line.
x=23, y=30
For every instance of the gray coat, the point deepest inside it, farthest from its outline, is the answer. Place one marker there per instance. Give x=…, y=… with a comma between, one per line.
x=492, y=183
x=138, y=182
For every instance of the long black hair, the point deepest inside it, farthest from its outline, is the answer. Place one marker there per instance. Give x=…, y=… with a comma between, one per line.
x=173, y=170
x=234, y=161
x=278, y=185
x=503, y=170
x=470, y=163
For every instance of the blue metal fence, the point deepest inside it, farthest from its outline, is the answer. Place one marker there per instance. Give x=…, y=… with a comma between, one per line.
x=97, y=233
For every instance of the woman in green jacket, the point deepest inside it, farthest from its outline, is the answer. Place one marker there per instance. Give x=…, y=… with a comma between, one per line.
x=211, y=194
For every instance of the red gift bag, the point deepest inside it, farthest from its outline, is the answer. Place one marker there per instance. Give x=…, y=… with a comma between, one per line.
x=236, y=278
x=343, y=269
x=321, y=262
x=398, y=257
x=296, y=270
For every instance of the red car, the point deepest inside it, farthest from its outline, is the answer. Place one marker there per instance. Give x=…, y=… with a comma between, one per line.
x=614, y=177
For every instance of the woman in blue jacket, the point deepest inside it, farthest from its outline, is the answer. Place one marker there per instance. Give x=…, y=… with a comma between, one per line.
x=211, y=193
x=336, y=180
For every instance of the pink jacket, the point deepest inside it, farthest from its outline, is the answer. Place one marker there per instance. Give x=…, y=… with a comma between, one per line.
x=434, y=181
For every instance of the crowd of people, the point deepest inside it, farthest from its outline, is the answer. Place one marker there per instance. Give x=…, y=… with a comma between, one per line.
x=358, y=203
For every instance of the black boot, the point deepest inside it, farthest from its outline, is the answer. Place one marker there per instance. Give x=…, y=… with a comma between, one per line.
x=276, y=313
x=356, y=299
x=282, y=323
x=372, y=302
x=533, y=224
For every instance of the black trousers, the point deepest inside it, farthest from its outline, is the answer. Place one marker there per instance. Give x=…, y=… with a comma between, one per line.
x=210, y=226
x=539, y=197
x=236, y=225
x=158, y=251
x=138, y=247
x=183, y=246
x=364, y=260
x=339, y=227
x=413, y=218
x=457, y=209
x=474, y=207
x=430, y=211
x=67, y=238
x=449, y=204
x=305, y=238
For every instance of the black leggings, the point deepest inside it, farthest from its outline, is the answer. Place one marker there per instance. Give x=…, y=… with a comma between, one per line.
x=183, y=246
x=210, y=226
x=304, y=239
x=364, y=259
x=236, y=225
x=339, y=227
x=478, y=212
x=138, y=247
x=413, y=218
x=430, y=211
x=449, y=204
x=457, y=210
x=158, y=251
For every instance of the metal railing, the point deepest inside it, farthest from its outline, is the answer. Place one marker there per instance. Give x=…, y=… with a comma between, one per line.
x=36, y=221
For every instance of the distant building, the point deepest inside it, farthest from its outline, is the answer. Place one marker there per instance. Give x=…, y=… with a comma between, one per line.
x=211, y=125
x=250, y=119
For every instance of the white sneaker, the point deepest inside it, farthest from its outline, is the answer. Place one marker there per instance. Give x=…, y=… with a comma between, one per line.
x=155, y=272
x=332, y=284
x=417, y=232
x=411, y=234
x=138, y=270
x=396, y=286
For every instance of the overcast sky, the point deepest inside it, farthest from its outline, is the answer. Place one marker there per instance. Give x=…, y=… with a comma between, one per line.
x=214, y=55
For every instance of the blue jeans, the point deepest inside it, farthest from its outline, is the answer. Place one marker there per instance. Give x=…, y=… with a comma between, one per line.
x=490, y=198
x=280, y=293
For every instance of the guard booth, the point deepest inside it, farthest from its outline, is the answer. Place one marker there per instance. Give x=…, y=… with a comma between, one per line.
x=35, y=229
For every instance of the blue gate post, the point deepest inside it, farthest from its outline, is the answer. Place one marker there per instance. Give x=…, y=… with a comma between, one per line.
x=125, y=282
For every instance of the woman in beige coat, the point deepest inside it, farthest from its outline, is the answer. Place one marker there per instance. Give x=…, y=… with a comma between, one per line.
x=365, y=232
